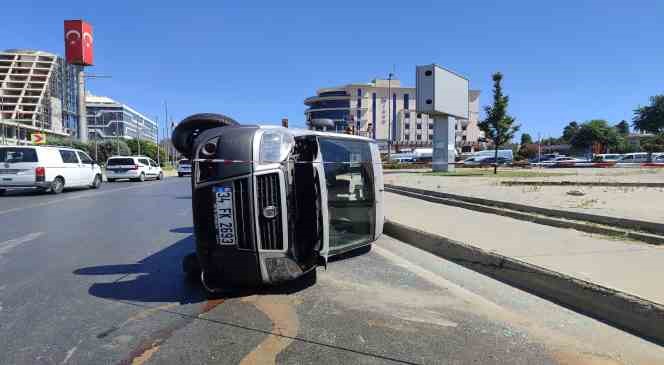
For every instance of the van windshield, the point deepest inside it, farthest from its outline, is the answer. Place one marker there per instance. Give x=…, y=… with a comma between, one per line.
x=350, y=191
x=18, y=154
x=120, y=161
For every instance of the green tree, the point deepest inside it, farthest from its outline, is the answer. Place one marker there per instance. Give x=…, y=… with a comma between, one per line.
x=528, y=151
x=498, y=126
x=653, y=144
x=148, y=148
x=596, y=131
x=650, y=118
x=623, y=128
x=569, y=131
x=526, y=139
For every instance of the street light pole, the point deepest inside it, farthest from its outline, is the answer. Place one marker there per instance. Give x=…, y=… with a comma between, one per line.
x=389, y=115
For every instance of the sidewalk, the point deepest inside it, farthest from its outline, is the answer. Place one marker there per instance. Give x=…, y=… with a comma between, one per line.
x=626, y=266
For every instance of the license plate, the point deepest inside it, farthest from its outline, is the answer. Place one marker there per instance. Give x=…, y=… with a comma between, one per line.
x=224, y=218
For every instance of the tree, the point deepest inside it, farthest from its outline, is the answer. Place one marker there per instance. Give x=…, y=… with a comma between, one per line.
x=595, y=131
x=148, y=148
x=569, y=131
x=528, y=151
x=526, y=139
x=498, y=126
x=623, y=128
x=653, y=144
x=650, y=118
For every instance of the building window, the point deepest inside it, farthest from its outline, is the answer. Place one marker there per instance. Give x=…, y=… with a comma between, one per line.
x=419, y=137
x=431, y=137
x=463, y=138
x=464, y=128
x=406, y=115
x=406, y=137
x=406, y=126
x=419, y=125
x=431, y=126
x=405, y=101
x=373, y=115
x=419, y=115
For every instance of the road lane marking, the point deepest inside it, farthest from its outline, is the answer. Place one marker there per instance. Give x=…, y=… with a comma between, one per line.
x=13, y=243
x=50, y=202
x=280, y=309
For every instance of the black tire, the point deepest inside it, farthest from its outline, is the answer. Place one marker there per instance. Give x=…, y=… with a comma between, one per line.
x=96, y=183
x=160, y=176
x=141, y=177
x=180, y=174
x=2, y=192
x=191, y=267
x=57, y=185
x=110, y=180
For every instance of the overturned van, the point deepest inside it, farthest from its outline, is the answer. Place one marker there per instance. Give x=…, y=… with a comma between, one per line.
x=270, y=204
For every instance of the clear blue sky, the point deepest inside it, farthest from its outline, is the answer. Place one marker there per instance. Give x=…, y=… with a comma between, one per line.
x=257, y=61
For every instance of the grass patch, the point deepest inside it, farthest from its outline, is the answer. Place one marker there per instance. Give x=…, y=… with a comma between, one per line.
x=506, y=173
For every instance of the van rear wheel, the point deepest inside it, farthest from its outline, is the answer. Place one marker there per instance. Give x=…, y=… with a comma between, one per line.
x=2, y=192
x=96, y=183
x=57, y=185
x=141, y=177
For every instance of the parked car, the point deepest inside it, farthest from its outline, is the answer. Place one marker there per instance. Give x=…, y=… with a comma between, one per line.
x=566, y=161
x=658, y=159
x=545, y=159
x=402, y=157
x=607, y=157
x=47, y=168
x=638, y=157
x=184, y=167
x=135, y=168
x=482, y=160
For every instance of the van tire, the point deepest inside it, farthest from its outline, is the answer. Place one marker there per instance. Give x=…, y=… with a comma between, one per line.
x=96, y=182
x=57, y=185
x=110, y=180
x=2, y=192
x=141, y=177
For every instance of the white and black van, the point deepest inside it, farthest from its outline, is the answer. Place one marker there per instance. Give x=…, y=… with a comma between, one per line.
x=270, y=203
x=47, y=168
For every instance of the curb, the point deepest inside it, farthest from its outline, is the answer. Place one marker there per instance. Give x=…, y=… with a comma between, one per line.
x=584, y=183
x=622, y=310
x=632, y=224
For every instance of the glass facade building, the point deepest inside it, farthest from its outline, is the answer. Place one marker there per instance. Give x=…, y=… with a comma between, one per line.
x=108, y=118
x=38, y=93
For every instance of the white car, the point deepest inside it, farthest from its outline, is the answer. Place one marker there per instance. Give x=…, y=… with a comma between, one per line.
x=135, y=168
x=184, y=167
x=47, y=168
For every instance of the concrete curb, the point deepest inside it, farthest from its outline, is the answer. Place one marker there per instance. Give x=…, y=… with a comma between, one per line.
x=631, y=224
x=625, y=311
x=584, y=183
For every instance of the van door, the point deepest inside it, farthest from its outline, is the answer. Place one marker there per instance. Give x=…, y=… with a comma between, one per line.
x=87, y=168
x=17, y=166
x=149, y=170
x=71, y=170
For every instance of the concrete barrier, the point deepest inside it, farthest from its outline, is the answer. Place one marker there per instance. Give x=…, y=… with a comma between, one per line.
x=625, y=223
x=585, y=183
x=623, y=310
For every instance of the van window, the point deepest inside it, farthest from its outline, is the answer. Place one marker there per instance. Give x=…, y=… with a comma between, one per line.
x=68, y=156
x=84, y=157
x=350, y=190
x=18, y=154
x=152, y=163
x=144, y=161
x=120, y=161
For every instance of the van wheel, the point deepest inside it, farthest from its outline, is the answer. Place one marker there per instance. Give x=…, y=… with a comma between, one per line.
x=110, y=180
x=2, y=192
x=141, y=178
x=96, y=183
x=57, y=185
x=180, y=174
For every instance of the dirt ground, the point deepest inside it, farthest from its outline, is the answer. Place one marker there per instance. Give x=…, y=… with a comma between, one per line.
x=634, y=203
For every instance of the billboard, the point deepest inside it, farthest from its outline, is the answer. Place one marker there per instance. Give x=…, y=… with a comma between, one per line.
x=440, y=91
x=78, y=42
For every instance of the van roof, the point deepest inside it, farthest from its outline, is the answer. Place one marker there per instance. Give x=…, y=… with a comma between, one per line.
x=306, y=132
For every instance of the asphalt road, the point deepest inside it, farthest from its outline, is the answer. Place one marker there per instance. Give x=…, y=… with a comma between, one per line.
x=93, y=277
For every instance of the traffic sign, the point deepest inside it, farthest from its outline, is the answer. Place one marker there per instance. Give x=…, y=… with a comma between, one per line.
x=38, y=138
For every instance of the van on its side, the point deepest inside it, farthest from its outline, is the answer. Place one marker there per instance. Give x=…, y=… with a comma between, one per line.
x=47, y=168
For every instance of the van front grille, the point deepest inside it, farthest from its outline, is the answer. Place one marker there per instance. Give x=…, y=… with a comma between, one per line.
x=269, y=201
x=243, y=226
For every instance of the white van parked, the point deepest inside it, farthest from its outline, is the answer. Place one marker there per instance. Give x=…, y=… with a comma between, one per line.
x=135, y=168
x=47, y=168
x=637, y=157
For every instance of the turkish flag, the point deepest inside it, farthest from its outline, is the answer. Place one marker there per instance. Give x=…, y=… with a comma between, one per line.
x=78, y=42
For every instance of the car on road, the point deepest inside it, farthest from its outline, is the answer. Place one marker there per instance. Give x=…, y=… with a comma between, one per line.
x=134, y=168
x=483, y=161
x=47, y=168
x=270, y=204
x=565, y=161
x=607, y=157
x=184, y=167
x=402, y=158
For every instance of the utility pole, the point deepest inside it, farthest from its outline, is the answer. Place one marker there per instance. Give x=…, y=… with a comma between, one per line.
x=389, y=115
x=166, y=148
x=139, y=127
x=156, y=119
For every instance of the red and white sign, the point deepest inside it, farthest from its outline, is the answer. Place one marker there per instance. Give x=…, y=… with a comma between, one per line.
x=78, y=42
x=38, y=138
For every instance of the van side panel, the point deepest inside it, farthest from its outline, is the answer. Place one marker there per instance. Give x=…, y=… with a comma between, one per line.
x=379, y=188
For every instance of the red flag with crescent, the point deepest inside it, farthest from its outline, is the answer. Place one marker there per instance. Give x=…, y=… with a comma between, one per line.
x=78, y=42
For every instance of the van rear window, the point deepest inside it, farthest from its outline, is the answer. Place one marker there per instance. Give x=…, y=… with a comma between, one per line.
x=120, y=161
x=18, y=154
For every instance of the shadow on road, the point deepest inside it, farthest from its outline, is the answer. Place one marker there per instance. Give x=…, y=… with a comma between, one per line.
x=160, y=278
x=156, y=278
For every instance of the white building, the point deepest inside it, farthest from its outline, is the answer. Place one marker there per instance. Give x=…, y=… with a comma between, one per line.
x=108, y=118
x=368, y=108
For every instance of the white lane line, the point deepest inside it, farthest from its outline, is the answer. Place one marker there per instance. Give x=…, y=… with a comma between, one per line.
x=13, y=243
x=81, y=196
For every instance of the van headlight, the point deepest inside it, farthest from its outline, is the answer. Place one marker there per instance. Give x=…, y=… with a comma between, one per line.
x=275, y=146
